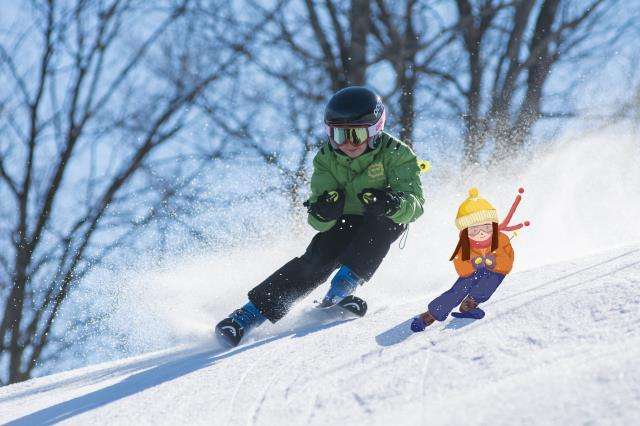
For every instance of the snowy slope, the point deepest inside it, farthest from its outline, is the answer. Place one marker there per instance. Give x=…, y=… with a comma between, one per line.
x=560, y=344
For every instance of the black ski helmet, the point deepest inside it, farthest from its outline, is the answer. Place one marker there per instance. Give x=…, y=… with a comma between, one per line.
x=356, y=106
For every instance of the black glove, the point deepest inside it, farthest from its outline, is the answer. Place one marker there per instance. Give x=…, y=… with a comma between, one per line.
x=380, y=202
x=328, y=206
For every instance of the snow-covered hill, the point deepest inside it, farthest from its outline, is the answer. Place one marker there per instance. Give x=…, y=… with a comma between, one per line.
x=560, y=345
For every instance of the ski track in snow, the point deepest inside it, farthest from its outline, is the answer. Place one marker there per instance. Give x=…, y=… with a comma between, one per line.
x=559, y=344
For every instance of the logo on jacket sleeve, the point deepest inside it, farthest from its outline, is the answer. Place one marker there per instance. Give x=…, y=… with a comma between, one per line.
x=376, y=171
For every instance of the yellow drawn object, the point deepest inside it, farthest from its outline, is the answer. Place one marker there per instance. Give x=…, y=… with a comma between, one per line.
x=424, y=165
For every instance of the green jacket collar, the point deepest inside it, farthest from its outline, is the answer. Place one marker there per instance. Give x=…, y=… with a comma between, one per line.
x=360, y=163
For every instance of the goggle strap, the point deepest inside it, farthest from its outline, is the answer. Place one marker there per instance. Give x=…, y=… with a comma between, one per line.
x=376, y=129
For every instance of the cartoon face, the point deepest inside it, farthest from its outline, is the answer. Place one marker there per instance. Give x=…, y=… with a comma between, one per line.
x=351, y=150
x=480, y=232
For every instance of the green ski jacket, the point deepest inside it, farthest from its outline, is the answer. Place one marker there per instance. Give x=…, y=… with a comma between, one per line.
x=392, y=164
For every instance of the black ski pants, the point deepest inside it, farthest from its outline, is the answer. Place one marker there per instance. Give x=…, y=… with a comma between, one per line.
x=359, y=242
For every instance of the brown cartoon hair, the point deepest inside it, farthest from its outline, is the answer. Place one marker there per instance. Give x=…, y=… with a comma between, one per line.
x=465, y=245
x=494, y=237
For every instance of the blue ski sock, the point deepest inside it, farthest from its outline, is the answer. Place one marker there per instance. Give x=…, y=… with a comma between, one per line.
x=249, y=316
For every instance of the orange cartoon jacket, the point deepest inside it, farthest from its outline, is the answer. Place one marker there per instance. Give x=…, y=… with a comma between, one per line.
x=503, y=257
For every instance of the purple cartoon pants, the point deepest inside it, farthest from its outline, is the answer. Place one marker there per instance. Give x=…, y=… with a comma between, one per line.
x=480, y=286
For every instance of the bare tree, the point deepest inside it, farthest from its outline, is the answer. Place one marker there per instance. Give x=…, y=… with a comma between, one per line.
x=510, y=49
x=85, y=130
x=409, y=36
x=338, y=35
x=278, y=119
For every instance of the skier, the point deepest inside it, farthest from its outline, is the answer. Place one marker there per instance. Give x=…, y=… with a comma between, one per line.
x=365, y=189
x=482, y=259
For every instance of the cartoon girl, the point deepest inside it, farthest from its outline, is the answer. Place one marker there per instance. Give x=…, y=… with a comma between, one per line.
x=482, y=258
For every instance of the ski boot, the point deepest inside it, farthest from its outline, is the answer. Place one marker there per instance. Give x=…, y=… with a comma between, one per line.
x=422, y=321
x=343, y=284
x=231, y=329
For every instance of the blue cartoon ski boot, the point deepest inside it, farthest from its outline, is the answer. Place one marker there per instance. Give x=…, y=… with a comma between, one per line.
x=475, y=313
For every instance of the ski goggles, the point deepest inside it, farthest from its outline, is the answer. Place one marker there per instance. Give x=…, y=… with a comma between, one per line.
x=355, y=135
x=486, y=228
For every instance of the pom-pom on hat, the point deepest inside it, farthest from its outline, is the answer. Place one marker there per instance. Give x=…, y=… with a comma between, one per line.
x=475, y=211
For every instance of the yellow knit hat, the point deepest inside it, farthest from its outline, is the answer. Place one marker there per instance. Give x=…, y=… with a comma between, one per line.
x=475, y=211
